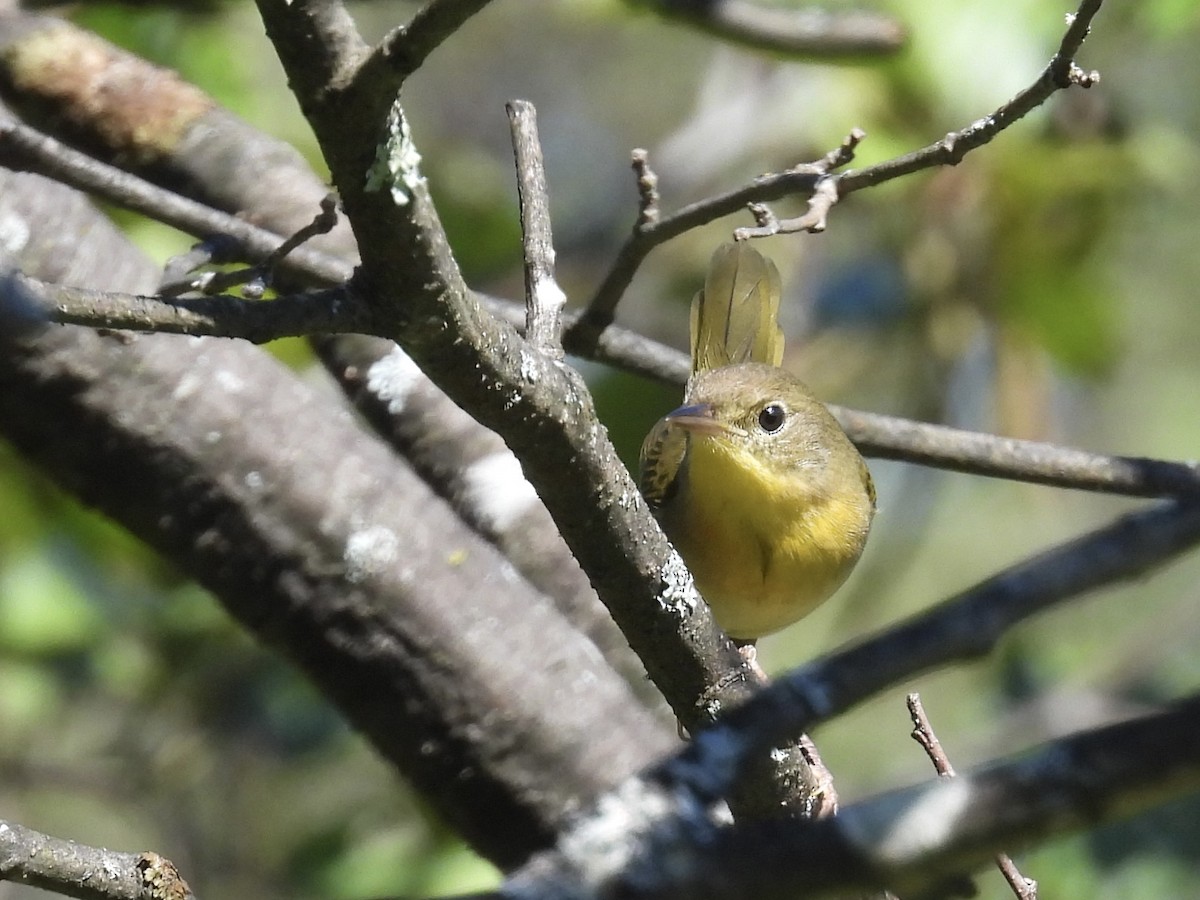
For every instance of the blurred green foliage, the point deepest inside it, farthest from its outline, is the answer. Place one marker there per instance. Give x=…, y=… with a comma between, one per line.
x=1043, y=288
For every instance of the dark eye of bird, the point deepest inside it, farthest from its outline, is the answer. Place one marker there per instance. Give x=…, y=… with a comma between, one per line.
x=770, y=419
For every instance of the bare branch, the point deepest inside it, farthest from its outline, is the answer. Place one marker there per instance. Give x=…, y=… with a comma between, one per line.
x=1059, y=74
x=602, y=306
x=333, y=46
x=87, y=873
x=888, y=437
x=805, y=179
x=807, y=33
x=544, y=299
x=538, y=405
x=25, y=149
x=404, y=49
x=333, y=310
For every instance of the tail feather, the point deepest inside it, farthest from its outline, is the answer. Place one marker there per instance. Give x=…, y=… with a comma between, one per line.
x=735, y=317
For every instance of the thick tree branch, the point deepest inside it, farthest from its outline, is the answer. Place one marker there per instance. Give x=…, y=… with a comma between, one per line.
x=538, y=405
x=479, y=476
x=93, y=95
x=303, y=547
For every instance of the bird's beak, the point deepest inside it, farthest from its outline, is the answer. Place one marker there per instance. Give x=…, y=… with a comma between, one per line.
x=700, y=418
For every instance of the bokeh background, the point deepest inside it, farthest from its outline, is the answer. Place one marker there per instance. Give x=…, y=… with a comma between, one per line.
x=1044, y=288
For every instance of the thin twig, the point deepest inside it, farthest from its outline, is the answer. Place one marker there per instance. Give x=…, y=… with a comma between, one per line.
x=1024, y=888
x=1059, y=74
x=544, y=299
x=824, y=196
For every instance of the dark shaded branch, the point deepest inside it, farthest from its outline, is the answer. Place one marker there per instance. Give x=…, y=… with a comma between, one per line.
x=87, y=873
x=653, y=842
x=481, y=479
x=805, y=33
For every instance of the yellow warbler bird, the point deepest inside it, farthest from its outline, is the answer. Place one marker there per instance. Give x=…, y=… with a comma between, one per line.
x=752, y=479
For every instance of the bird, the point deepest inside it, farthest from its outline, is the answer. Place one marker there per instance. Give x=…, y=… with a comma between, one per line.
x=751, y=478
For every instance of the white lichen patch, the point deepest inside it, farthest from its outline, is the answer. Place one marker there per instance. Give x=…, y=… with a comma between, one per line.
x=369, y=551
x=393, y=378
x=530, y=367
x=495, y=487
x=678, y=595
x=397, y=163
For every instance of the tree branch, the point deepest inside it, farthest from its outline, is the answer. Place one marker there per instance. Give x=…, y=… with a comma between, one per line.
x=544, y=299
x=805, y=33
x=805, y=179
x=87, y=873
x=406, y=48
x=24, y=149
x=538, y=405
x=654, y=842
x=312, y=557
x=336, y=310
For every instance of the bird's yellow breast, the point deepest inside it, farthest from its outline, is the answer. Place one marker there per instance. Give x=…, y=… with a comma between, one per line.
x=765, y=546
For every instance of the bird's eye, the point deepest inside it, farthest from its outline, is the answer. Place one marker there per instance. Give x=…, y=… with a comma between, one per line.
x=771, y=418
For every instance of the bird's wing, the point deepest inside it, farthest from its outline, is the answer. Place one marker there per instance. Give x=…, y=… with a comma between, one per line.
x=659, y=462
x=735, y=317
